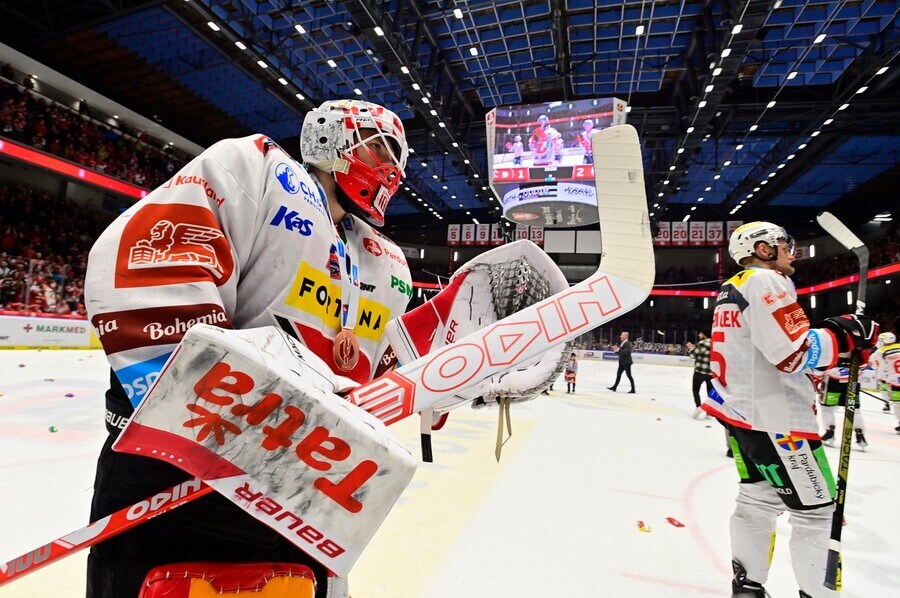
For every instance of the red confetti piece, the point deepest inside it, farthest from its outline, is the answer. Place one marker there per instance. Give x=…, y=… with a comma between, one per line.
x=674, y=522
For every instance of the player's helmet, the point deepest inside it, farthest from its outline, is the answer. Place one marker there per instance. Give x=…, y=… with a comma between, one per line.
x=517, y=138
x=745, y=237
x=330, y=140
x=886, y=338
x=543, y=120
x=589, y=122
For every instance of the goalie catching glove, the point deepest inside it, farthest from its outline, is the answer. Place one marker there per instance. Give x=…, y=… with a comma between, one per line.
x=484, y=290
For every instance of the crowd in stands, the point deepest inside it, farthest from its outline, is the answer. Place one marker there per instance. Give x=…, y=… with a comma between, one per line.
x=40, y=122
x=44, y=243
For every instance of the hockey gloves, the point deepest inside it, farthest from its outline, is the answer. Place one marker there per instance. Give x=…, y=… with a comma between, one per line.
x=853, y=333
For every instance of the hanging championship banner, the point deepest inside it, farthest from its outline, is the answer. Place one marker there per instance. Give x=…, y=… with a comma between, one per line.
x=453, y=232
x=714, y=233
x=537, y=235
x=468, y=234
x=521, y=232
x=482, y=234
x=697, y=232
x=680, y=234
x=731, y=226
x=496, y=234
x=663, y=236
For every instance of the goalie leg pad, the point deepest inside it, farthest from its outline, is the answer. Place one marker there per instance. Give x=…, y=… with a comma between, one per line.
x=239, y=580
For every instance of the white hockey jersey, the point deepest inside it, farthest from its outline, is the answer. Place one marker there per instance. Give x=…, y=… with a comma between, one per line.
x=887, y=364
x=761, y=346
x=241, y=237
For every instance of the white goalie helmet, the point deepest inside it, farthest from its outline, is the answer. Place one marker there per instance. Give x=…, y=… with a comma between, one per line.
x=330, y=140
x=744, y=239
x=886, y=338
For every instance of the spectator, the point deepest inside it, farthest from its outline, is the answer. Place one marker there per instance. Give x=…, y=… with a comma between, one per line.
x=571, y=373
x=702, y=373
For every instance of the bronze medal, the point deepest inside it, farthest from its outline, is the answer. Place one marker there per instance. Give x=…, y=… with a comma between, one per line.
x=346, y=350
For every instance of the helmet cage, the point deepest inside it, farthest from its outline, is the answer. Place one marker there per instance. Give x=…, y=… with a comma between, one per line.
x=331, y=140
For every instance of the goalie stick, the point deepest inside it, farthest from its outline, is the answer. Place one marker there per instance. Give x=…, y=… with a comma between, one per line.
x=839, y=231
x=622, y=282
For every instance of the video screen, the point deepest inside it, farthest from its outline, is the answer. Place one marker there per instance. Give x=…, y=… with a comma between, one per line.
x=528, y=141
x=542, y=167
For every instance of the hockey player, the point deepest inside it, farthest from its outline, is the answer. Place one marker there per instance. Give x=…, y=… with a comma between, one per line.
x=540, y=141
x=887, y=362
x=243, y=236
x=832, y=394
x=762, y=343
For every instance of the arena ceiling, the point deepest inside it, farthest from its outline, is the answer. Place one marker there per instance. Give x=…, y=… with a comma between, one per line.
x=746, y=109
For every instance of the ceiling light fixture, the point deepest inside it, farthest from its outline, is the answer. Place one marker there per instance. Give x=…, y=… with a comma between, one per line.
x=299, y=28
x=213, y=26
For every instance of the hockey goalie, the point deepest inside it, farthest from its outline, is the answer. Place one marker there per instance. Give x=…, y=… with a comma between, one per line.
x=286, y=422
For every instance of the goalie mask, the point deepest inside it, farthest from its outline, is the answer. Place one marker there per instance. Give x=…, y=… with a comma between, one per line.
x=364, y=146
x=744, y=239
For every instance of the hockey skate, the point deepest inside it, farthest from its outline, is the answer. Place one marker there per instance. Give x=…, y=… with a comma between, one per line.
x=828, y=436
x=699, y=413
x=741, y=587
x=861, y=439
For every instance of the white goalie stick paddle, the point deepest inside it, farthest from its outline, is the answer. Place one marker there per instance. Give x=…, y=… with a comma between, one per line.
x=839, y=231
x=622, y=283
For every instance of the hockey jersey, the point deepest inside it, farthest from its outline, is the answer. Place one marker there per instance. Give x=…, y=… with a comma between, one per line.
x=887, y=364
x=241, y=237
x=762, y=344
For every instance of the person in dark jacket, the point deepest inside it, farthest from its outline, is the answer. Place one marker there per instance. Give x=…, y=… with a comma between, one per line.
x=624, y=351
x=702, y=372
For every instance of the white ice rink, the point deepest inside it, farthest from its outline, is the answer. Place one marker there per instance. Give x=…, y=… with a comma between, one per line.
x=557, y=517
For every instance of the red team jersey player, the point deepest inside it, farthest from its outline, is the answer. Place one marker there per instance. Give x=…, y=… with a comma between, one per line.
x=762, y=344
x=243, y=236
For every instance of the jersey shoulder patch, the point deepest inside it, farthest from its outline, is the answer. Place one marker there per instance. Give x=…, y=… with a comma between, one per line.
x=740, y=278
